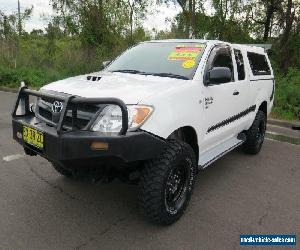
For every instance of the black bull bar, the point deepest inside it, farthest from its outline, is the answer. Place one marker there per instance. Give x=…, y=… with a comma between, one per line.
x=70, y=103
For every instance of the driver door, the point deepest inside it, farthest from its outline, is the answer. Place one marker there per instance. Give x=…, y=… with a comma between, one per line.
x=221, y=100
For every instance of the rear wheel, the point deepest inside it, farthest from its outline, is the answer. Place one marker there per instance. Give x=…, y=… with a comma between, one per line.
x=256, y=134
x=166, y=184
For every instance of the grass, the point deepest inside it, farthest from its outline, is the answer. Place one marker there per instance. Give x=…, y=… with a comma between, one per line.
x=287, y=96
x=36, y=62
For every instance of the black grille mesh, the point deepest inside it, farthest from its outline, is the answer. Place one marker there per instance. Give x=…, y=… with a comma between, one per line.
x=84, y=114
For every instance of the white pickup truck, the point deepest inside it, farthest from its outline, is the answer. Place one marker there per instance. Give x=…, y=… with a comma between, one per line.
x=159, y=113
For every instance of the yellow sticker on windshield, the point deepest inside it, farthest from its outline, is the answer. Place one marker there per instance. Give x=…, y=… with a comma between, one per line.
x=188, y=64
x=182, y=53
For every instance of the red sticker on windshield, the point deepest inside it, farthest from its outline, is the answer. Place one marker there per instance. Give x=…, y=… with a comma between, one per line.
x=183, y=53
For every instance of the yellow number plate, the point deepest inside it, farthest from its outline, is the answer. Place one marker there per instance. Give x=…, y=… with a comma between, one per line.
x=33, y=137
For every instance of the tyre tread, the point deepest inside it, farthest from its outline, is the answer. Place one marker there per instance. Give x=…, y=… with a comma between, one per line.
x=250, y=146
x=151, y=182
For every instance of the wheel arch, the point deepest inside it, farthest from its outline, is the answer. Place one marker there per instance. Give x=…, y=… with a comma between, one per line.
x=264, y=108
x=189, y=135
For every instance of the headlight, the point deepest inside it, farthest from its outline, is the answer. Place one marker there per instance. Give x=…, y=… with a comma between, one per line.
x=110, y=118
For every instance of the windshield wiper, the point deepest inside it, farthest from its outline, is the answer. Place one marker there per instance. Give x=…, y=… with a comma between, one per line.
x=169, y=75
x=133, y=71
x=130, y=71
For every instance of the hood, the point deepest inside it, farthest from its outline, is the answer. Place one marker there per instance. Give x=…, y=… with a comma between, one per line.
x=131, y=88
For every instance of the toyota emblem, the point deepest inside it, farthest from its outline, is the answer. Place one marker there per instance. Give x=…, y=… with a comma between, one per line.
x=57, y=107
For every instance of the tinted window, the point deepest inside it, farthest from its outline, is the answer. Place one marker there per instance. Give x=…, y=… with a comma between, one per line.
x=240, y=64
x=220, y=56
x=158, y=58
x=259, y=64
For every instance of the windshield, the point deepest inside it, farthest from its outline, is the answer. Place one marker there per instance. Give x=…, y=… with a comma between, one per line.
x=177, y=60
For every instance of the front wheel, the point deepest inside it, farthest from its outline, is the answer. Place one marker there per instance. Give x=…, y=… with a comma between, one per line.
x=166, y=184
x=256, y=134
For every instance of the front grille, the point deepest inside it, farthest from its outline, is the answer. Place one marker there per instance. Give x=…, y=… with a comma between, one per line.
x=84, y=114
x=45, y=114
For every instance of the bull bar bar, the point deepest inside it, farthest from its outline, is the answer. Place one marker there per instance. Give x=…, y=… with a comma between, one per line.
x=70, y=103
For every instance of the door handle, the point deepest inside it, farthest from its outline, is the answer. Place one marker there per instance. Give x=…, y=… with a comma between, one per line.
x=236, y=92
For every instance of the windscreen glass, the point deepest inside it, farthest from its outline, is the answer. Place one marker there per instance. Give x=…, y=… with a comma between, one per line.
x=178, y=60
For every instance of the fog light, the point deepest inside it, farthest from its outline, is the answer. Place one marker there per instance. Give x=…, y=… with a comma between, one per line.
x=98, y=145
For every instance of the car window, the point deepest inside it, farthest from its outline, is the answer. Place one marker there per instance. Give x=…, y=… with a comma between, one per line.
x=220, y=56
x=259, y=64
x=160, y=58
x=240, y=64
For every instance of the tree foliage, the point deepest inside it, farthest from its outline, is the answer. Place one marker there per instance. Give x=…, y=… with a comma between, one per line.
x=100, y=22
x=11, y=24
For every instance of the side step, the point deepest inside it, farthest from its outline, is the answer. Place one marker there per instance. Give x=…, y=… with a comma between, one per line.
x=217, y=152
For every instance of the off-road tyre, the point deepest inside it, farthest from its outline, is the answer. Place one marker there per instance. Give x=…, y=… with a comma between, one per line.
x=158, y=182
x=62, y=170
x=256, y=134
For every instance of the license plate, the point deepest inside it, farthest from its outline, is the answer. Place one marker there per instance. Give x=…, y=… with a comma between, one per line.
x=33, y=137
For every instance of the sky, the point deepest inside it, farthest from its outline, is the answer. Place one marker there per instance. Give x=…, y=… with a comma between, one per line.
x=42, y=10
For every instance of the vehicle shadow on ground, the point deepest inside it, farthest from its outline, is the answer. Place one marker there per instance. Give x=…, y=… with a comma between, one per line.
x=114, y=199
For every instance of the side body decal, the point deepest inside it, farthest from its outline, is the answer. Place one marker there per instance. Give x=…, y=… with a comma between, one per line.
x=231, y=119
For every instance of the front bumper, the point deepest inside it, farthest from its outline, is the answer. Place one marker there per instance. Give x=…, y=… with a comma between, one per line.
x=76, y=145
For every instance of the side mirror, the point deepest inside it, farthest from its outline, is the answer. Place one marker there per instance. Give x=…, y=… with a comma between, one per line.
x=218, y=75
x=105, y=64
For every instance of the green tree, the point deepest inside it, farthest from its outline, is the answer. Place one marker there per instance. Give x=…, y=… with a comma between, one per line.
x=12, y=24
x=137, y=11
x=98, y=22
x=188, y=15
x=289, y=38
